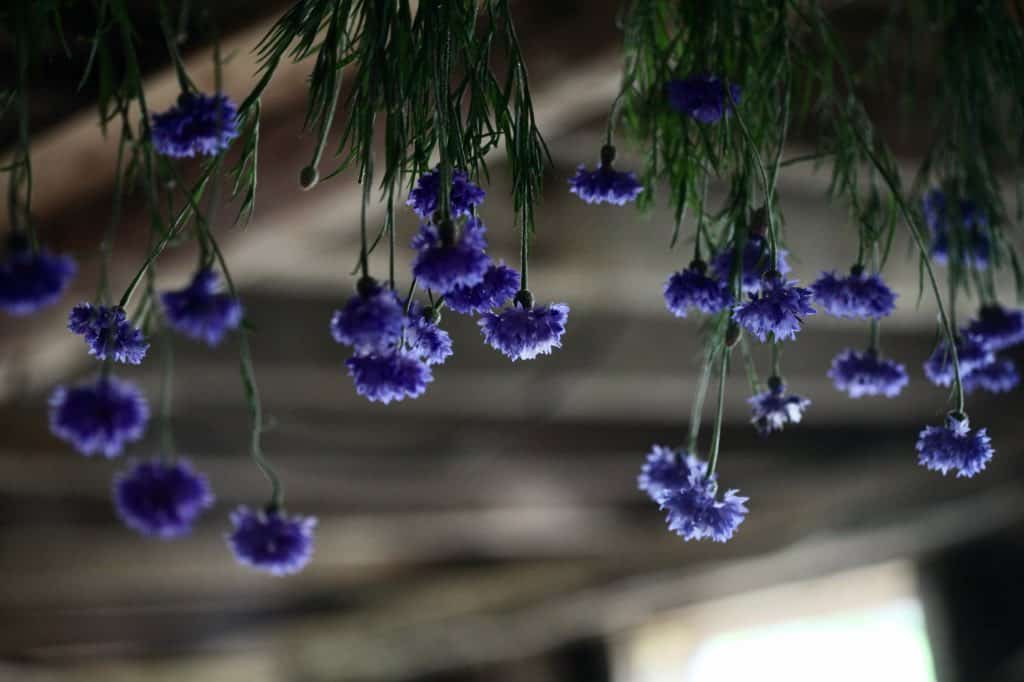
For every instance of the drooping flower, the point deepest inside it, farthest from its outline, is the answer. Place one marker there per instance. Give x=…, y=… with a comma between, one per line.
x=977, y=242
x=666, y=470
x=856, y=296
x=32, y=280
x=703, y=97
x=605, y=185
x=777, y=310
x=499, y=285
x=523, y=333
x=695, y=513
x=755, y=263
x=425, y=338
x=971, y=233
x=100, y=417
x=464, y=197
x=999, y=376
x=446, y=261
x=954, y=447
x=201, y=310
x=197, y=124
x=386, y=376
x=271, y=541
x=107, y=331
x=692, y=288
x=771, y=410
x=865, y=373
x=161, y=499
x=971, y=355
x=997, y=328
x=371, y=321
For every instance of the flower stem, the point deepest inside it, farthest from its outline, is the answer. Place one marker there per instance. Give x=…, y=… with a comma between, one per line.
x=696, y=412
x=716, y=435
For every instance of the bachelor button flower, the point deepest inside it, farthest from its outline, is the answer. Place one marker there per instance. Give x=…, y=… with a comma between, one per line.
x=773, y=409
x=976, y=236
x=694, y=513
x=371, y=321
x=999, y=376
x=464, y=197
x=31, y=280
x=666, y=470
x=857, y=295
x=524, y=332
x=605, y=185
x=161, y=500
x=971, y=355
x=859, y=374
x=201, y=310
x=703, y=97
x=997, y=328
x=755, y=263
x=197, y=124
x=954, y=447
x=499, y=285
x=107, y=330
x=444, y=261
x=425, y=339
x=271, y=541
x=393, y=375
x=778, y=310
x=99, y=417
x=972, y=235
x=692, y=288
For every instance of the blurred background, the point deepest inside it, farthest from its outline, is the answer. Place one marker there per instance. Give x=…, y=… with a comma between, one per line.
x=492, y=530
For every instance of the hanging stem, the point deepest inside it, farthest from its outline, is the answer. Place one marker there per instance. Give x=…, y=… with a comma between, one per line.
x=696, y=412
x=716, y=435
x=367, y=179
x=767, y=184
x=776, y=358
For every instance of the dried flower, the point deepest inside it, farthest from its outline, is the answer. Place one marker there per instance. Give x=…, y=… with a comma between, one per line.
x=197, y=124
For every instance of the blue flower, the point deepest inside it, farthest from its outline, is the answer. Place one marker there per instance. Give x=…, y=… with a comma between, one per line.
x=464, y=197
x=999, y=376
x=100, y=417
x=108, y=331
x=856, y=296
x=703, y=97
x=371, y=321
x=499, y=285
x=666, y=470
x=954, y=447
x=997, y=328
x=425, y=339
x=859, y=374
x=445, y=262
x=161, y=499
x=694, y=513
x=197, y=124
x=971, y=355
x=394, y=375
x=692, y=288
x=755, y=263
x=971, y=235
x=523, y=333
x=778, y=310
x=771, y=410
x=271, y=541
x=201, y=310
x=31, y=280
x=605, y=185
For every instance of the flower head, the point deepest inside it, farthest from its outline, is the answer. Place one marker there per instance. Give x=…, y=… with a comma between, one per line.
x=446, y=261
x=605, y=185
x=31, y=280
x=771, y=410
x=999, y=376
x=161, y=500
x=201, y=310
x=755, y=263
x=859, y=374
x=425, y=338
x=464, y=197
x=386, y=376
x=108, y=331
x=857, y=295
x=777, y=310
x=954, y=447
x=523, y=333
x=695, y=513
x=997, y=328
x=371, y=321
x=100, y=417
x=271, y=541
x=970, y=236
x=666, y=470
x=197, y=124
x=499, y=285
x=971, y=355
x=692, y=288
x=703, y=97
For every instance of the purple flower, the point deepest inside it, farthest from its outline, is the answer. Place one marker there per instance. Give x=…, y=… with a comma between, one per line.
x=703, y=97
x=31, y=280
x=859, y=374
x=523, y=333
x=971, y=355
x=755, y=263
x=443, y=264
x=997, y=328
x=271, y=541
x=999, y=376
x=100, y=417
x=201, y=310
x=197, y=124
x=605, y=185
x=954, y=447
x=666, y=470
x=371, y=321
x=464, y=196
x=425, y=339
x=694, y=513
x=778, y=310
x=499, y=285
x=161, y=499
x=970, y=236
x=857, y=296
x=387, y=376
x=108, y=331
x=692, y=288
x=773, y=409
